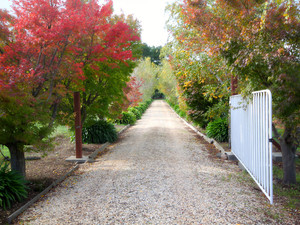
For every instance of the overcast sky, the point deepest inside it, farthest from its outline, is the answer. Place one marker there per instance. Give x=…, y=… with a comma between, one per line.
x=151, y=14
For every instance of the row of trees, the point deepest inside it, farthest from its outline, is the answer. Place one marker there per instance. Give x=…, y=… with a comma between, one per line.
x=48, y=50
x=249, y=44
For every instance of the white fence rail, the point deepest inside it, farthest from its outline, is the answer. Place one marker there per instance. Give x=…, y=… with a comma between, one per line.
x=251, y=135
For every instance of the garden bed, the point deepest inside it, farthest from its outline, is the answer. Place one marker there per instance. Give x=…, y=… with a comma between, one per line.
x=42, y=172
x=45, y=168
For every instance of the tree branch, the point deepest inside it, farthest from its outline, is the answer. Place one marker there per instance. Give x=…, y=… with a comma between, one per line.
x=39, y=58
x=53, y=57
x=55, y=72
x=54, y=112
x=275, y=131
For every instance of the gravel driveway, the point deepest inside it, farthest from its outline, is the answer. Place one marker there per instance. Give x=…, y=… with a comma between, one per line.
x=158, y=173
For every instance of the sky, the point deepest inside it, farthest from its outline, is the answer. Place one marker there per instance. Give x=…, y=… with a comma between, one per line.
x=150, y=13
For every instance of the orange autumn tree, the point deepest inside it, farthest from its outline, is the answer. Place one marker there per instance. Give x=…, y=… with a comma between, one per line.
x=44, y=54
x=259, y=41
x=202, y=77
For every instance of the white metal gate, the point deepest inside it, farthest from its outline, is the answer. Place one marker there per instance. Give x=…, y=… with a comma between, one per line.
x=251, y=135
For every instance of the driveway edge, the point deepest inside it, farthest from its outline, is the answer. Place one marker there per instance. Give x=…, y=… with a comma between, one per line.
x=59, y=180
x=209, y=140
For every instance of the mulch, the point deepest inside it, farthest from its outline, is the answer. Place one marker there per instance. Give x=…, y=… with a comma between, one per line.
x=43, y=172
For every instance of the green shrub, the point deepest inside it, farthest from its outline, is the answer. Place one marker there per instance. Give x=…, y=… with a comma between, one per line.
x=182, y=114
x=218, y=129
x=176, y=108
x=171, y=104
x=12, y=186
x=99, y=133
x=158, y=95
x=143, y=106
x=136, y=112
x=148, y=102
x=178, y=111
x=128, y=118
x=141, y=109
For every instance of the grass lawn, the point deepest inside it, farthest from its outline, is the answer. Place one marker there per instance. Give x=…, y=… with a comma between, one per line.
x=60, y=130
x=4, y=151
x=290, y=193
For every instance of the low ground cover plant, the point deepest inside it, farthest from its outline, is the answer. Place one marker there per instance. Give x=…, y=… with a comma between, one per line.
x=12, y=186
x=218, y=129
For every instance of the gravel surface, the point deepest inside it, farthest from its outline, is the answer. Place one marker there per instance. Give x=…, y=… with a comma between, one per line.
x=159, y=173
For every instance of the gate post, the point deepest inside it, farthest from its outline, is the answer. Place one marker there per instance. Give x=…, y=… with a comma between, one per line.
x=78, y=128
x=233, y=86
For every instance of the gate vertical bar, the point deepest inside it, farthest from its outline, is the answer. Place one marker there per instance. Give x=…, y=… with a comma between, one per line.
x=270, y=148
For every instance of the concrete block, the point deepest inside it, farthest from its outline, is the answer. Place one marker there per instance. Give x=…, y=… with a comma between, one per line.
x=222, y=155
x=32, y=157
x=231, y=156
x=277, y=156
x=78, y=160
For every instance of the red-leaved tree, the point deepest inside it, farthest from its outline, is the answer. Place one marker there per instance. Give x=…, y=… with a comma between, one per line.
x=44, y=50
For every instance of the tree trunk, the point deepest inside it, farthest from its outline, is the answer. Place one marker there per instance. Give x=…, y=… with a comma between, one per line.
x=17, y=158
x=288, y=149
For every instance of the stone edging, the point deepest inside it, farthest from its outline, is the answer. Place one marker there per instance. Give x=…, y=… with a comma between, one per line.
x=32, y=201
x=59, y=180
x=209, y=140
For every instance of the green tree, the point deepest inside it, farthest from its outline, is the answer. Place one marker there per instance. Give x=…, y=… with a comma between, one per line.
x=146, y=73
x=152, y=52
x=167, y=83
x=203, y=78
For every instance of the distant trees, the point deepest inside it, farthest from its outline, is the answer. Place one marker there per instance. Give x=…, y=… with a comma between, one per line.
x=167, y=83
x=152, y=52
x=146, y=74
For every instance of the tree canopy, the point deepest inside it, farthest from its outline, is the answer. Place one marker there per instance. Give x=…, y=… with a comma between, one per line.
x=254, y=42
x=50, y=49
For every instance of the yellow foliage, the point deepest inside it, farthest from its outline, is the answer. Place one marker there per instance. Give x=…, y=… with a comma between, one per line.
x=187, y=84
